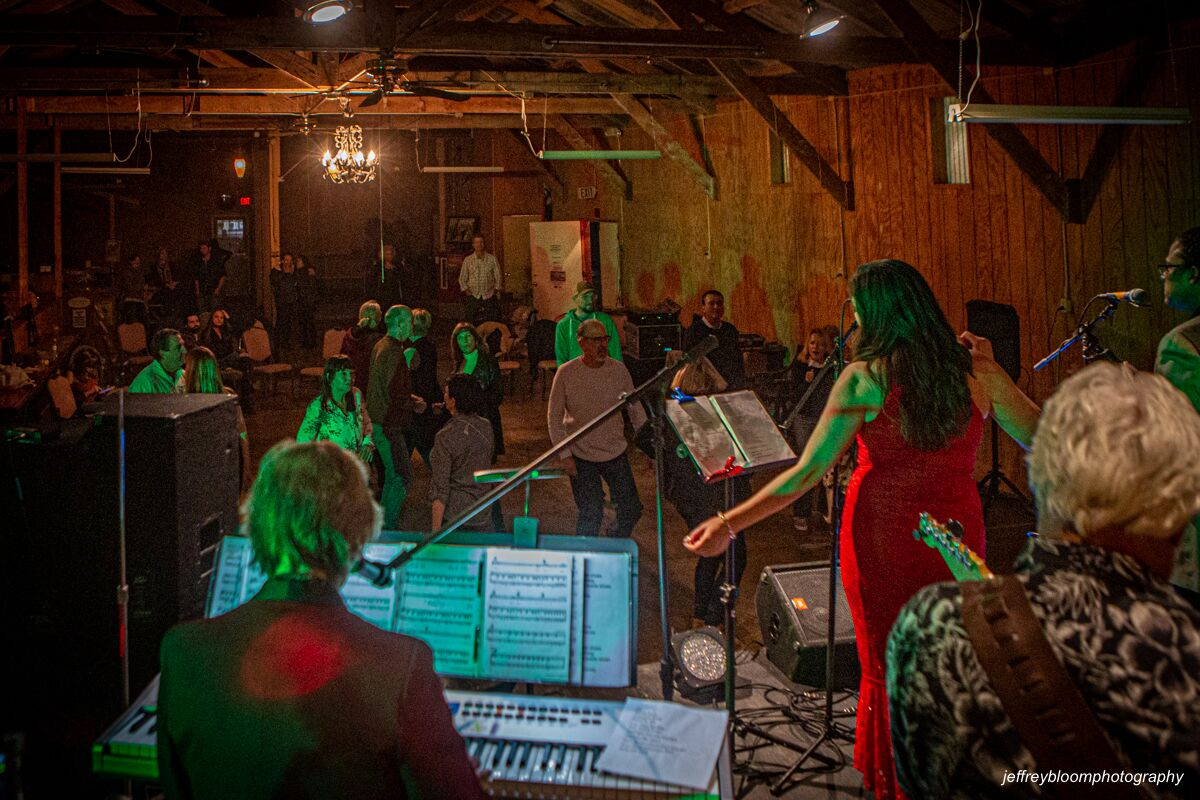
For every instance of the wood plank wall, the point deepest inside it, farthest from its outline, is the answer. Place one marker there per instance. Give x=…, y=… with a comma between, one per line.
x=782, y=254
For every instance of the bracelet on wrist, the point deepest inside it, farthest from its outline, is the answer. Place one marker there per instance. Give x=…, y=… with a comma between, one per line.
x=728, y=525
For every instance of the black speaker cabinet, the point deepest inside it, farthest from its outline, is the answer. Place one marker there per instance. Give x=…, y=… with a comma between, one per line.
x=651, y=341
x=1000, y=324
x=181, y=497
x=792, y=602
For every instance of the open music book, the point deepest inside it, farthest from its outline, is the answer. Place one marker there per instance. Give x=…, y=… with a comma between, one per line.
x=717, y=427
x=544, y=616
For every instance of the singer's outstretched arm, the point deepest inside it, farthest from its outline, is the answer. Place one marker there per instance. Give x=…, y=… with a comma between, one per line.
x=855, y=398
x=1014, y=411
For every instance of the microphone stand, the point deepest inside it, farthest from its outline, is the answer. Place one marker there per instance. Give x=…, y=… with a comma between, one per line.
x=1092, y=349
x=835, y=514
x=830, y=363
x=654, y=391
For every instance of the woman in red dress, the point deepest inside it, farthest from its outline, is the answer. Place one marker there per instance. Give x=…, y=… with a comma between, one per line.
x=916, y=397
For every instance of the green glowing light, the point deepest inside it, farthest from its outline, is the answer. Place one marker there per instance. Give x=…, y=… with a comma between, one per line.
x=582, y=155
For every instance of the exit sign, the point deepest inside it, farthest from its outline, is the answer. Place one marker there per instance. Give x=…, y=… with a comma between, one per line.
x=587, y=192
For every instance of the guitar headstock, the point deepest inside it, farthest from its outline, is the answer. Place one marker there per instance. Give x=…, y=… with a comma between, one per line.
x=964, y=563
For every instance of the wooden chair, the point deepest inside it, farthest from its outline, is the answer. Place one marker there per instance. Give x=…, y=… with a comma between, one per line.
x=331, y=345
x=257, y=344
x=131, y=337
x=61, y=397
x=505, y=356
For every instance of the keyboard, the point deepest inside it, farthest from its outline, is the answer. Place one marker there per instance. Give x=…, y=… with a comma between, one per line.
x=543, y=747
x=547, y=747
x=129, y=748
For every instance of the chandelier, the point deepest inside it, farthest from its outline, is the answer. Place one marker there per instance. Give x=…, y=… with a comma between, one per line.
x=349, y=165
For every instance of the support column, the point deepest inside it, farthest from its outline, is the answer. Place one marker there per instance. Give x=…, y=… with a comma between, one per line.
x=58, y=248
x=22, y=207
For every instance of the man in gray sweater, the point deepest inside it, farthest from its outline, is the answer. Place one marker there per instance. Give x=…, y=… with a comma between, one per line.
x=583, y=388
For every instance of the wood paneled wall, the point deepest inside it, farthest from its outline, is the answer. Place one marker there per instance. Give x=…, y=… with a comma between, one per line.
x=782, y=253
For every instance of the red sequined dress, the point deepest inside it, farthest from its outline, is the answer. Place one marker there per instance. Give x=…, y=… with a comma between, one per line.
x=883, y=566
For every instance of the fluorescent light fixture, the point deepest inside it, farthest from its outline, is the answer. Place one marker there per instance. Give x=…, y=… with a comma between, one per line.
x=106, y=170
x=1068, y=115
x=608, y=155
x=461, y=169
x=34, y=158
x=321, y=11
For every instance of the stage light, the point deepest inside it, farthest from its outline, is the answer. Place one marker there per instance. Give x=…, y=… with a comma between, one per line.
x=700, y=664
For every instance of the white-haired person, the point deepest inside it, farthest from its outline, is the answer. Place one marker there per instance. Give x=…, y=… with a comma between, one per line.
x=1115, y=473
x=360, y=340
x=291, y=694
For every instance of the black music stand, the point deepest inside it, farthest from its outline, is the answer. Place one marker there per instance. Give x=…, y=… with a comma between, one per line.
x=726, y=436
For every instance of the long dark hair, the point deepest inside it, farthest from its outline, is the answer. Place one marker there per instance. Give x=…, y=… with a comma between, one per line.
x=334, y=365
x=910, y=345
x=456, y=352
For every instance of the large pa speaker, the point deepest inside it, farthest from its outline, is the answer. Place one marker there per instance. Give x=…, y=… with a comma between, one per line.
x=1000, y=324
x=181, y=497
x=793, y=617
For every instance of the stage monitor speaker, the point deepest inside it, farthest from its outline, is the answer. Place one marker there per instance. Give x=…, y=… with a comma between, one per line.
x=182, y=484
x=792, y=602
x=1000, y=324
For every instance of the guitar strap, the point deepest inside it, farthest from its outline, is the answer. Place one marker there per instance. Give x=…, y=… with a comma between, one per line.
x=1044, y=704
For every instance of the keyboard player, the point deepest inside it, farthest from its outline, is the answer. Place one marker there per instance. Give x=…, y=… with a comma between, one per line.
x=291, y=695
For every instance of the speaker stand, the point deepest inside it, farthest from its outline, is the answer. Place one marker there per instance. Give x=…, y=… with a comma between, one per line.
x=991, y=485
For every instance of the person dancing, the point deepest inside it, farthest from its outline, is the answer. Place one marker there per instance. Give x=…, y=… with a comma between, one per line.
x=338, y=414
x=916, y=398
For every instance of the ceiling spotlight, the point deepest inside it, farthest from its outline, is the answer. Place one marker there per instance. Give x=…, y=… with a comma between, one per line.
x=321, y=11
x=817, y=22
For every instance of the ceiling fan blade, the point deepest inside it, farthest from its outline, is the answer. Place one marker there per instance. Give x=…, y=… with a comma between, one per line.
x=429, y=91
x=372, y=99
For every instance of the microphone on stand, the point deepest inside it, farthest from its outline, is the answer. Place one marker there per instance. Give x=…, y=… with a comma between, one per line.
x=1135, y=297
x=373, y=573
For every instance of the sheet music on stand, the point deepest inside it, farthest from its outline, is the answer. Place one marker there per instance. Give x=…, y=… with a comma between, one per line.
x=563, y=616
x=715, y=427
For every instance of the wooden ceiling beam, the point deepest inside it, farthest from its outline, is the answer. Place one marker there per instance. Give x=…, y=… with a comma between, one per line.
x=261, y=34
x=663, y=139
x=924, y=43
x=276, y=104
x=133, y=8
x=578, y=142
x=832, y=80
x=326, y=123
x=298, y=67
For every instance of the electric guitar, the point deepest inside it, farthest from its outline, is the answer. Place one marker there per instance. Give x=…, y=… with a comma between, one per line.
x=964, y=563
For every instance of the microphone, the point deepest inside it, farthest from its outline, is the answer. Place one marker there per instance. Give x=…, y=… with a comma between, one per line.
x=1135, y=297
x=701, y=349
x=373, y=573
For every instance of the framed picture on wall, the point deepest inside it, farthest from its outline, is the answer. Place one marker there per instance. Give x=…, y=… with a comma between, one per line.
x=460, y=230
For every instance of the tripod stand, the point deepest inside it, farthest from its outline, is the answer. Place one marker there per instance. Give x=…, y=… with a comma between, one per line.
x=990, y=485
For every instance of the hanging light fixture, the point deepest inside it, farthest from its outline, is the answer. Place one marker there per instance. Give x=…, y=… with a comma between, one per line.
x=319, y=12
x=817, y=22
x=349, y=165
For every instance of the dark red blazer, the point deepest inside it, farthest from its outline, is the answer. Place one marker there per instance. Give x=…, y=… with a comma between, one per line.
x=292, y=696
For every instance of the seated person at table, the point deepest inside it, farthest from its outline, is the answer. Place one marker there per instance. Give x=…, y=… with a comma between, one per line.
x=291, y=694
x=161, y=375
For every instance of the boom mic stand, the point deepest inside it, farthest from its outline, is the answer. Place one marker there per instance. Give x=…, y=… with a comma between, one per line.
x=653, y=390
x=1092, y=349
